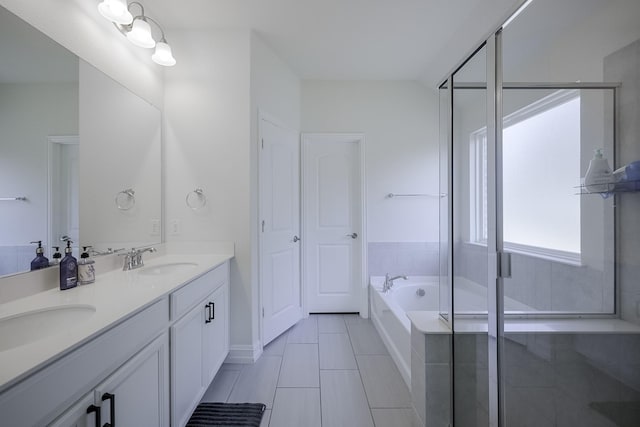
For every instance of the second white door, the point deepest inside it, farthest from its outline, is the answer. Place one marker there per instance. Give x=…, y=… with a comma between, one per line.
x=332, y=200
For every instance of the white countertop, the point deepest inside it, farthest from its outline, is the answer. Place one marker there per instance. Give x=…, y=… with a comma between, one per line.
x=116, y=295
x=430, y=322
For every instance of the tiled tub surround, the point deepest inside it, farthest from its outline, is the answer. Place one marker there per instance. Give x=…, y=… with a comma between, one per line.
x=408, y=258
x=552, y=379
x=541, y=284
x=557, y=372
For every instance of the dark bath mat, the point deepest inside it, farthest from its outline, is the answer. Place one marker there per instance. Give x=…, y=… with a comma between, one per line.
x=623, y=414
x=227, y=414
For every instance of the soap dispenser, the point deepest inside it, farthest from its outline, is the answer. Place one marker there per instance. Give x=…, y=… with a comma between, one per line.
x=40, y=261
x=86, y=268
x=56, y=257
x=68, y=269
x=598, y=175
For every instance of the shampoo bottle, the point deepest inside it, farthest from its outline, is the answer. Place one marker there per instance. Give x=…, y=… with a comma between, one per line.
x=40, y=261
x=86, y=268
x=598, y=176
x=68, y=269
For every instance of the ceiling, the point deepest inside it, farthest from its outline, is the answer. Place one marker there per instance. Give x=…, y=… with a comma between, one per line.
x=351, y=39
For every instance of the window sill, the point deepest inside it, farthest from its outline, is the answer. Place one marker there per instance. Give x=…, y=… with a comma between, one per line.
x=562, y=257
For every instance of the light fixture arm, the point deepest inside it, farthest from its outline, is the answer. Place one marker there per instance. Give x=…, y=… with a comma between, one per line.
x=162, y=38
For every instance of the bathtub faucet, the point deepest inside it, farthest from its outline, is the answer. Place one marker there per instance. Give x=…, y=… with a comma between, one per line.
x=388, y=281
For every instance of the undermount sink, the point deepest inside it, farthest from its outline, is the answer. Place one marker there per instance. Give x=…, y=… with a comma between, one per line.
x=168, y=268
x=32, y=326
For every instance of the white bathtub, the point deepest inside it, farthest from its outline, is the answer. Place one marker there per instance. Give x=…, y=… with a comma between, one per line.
x=388, y=310
x=388, y=313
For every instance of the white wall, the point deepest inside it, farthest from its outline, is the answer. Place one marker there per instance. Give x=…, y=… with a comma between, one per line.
x=400, y=123
x=78, y=26
x=207, y=145
x=120, y=148
x=275, y=90
x=28, y=114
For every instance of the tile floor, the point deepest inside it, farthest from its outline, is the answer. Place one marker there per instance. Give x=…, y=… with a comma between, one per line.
x=328, y=370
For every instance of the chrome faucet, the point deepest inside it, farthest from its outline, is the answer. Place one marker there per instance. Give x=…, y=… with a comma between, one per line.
x=388, y=281
x=133, y=258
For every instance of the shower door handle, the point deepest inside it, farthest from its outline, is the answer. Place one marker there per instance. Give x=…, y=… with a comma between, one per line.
x=353, y=235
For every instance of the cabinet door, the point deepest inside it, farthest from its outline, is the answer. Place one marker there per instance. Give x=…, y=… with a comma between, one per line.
x=187, y=364
x=137, y=394
x=83, y=414
x=216, y=334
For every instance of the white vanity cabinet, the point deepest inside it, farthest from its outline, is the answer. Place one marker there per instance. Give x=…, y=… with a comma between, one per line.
x=130, y=361
x=199, y=339
x=137, y=394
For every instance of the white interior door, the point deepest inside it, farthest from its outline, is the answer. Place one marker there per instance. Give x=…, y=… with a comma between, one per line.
x=332, y=200
x=279, y=228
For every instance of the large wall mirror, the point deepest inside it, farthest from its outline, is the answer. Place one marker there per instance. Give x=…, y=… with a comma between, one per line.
x=79, y=153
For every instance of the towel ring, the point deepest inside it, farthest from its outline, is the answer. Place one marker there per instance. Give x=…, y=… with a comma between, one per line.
x=126, y=199
x=196, y=199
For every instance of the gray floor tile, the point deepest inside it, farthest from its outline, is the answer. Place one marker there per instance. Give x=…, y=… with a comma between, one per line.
x=336, y=352
x=296, y=407
x=257, y=382
x=221, y=386
x=300, y=367
x=343, y=400
x=351, y=319
x=392, y=417
x=233, y=366
x=266, y=417
x=383, y=383
x=276, y=347
x=365, y=338
x=331, y=324
x=304, y=332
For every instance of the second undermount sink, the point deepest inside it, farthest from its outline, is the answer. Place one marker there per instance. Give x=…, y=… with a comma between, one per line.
x=168, y=268
x=32, y=326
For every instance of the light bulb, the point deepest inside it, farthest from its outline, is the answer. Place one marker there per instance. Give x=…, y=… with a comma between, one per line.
x=115, y=11
x=140, y=34
x=163, y=55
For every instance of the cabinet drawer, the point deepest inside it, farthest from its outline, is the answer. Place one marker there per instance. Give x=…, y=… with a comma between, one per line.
x=41, y=397
x=197, y=290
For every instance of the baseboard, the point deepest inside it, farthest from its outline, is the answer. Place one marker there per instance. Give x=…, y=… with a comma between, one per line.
x=244, y=353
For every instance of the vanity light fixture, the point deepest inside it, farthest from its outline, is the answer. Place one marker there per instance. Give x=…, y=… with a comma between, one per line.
x=137, y=28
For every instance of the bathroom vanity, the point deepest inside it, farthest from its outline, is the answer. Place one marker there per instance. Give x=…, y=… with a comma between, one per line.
x=137, y=347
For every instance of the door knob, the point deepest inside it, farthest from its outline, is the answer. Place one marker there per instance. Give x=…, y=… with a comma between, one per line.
x=295, y=239
x=353, y=235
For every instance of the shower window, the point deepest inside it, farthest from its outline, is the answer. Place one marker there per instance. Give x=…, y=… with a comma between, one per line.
x=542, y=168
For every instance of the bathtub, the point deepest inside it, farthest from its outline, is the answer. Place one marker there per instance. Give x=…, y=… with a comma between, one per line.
x=388, y=313
x=388, y=310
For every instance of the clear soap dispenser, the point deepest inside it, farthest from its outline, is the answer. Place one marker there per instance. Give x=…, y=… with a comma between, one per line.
x=86, y=268
x=56, y=257
x=598, y=176
x=40, y=261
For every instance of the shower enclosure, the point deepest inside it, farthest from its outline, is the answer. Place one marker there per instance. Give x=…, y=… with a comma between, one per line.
x=540, y=275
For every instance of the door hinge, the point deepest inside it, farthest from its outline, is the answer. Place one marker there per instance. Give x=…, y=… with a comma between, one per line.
x=262, y=141
x=504, y=265
x=262, y=311
x=263, y=225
